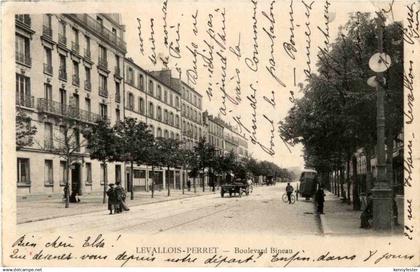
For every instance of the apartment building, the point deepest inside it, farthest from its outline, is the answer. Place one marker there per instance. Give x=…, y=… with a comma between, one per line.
x=191, y=113
x=214, y=127
x=151, y=99
x=68, y=67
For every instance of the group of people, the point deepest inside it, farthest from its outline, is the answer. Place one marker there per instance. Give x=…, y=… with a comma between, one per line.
x=116, y=198
x=319, y=197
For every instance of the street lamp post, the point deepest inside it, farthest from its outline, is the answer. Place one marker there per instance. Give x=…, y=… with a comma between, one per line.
x=381, y=192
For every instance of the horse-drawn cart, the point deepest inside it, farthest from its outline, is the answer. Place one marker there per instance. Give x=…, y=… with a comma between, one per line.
x=234, y=188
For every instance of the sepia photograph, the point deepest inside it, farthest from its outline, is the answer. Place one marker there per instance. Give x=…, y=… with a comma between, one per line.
x=196, y=133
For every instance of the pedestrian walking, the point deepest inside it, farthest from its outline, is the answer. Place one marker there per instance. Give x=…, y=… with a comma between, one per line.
x=297, y=192
x=367, y=213
x=249, y=182
x=112, y=198
x=189, y=185
x=121, y=197
x=320, y=199
x=289, y=191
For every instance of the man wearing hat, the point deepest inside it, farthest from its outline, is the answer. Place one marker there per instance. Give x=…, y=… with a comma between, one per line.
x=112, y=198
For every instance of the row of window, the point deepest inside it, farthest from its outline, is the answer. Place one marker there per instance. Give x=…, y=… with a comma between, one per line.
x=24, y=173
x=215, y=129
x=168, y=116
x=191, y=130
x=191, y=97
x=191, y=113
x=159, y=133
x=167, y=98
x=24, y=98
x=23, y=52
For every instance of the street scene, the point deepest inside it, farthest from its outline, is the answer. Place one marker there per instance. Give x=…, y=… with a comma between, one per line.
x=208, y=212
x=104, y=144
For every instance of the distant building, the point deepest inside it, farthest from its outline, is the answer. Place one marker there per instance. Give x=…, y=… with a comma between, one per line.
x=67, y=65
x=151, y=99
x=214, y=130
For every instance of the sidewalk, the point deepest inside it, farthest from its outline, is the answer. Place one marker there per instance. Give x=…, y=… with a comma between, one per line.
x=44, y=207
x=339, y=218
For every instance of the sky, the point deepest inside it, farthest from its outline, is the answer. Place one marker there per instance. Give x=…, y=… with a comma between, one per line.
x=239, y=26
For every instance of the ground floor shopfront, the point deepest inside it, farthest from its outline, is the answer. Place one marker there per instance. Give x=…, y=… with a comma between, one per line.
x=43, y=173
x=161, y=178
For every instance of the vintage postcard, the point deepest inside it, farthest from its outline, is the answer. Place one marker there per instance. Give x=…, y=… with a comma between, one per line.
x=181, y=133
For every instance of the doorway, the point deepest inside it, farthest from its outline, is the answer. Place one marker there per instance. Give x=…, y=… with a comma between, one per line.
x=75, y=178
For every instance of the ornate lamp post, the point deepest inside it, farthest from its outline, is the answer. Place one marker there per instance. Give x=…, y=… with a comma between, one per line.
x=381, y=192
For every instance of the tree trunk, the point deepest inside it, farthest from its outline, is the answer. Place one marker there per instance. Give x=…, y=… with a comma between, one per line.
x=204, y=181
x=67, y=186
x=131, y=180
x=356, y=200
x=168, y=184
x=153, y=181
x=343, y=193
x=337, y=181
x=348, y=182
x=182, y=177
x=195, y=187
x=105, y=182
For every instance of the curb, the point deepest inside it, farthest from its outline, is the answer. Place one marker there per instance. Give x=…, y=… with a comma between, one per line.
x=93, y=211
x=324, y=226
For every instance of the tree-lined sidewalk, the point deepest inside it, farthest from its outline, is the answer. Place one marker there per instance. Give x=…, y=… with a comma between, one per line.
x=38, y=209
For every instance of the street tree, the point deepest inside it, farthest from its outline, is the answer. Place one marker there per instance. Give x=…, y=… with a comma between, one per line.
x=102, y=145
x=25, y=131
x=67, y=144
x=169, y=149
x=133, y=143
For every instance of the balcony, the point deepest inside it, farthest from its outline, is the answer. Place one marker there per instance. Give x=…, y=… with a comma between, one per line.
x=88, y=85
x=100, y=30
x=87, y=54
x=103, y=92
x=62, y=40
x=76, y=80
x=25, y=101
x=48, y=69
x=48, y=144
x=117, y=72
x=24, y=19
x=23, y=59
x=103, y=63
x=62, y=74
x=56, y=108
x=75, y=48
x=47, y=32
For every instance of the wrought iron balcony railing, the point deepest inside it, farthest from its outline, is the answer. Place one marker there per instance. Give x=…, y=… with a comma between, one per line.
x=76, y=80
x=62, y=39
x=24, y=19
x=47, y=31
x=75, y=48
x=99, y=29
x=117, y=71
x=87, y=54
x=48, y=144
x=62, y=74
x=23, y=58
x=25, y=101
x=102, y=62
x=88, y=85
x=103, y=92
x=56, y=108
x=48, y=69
